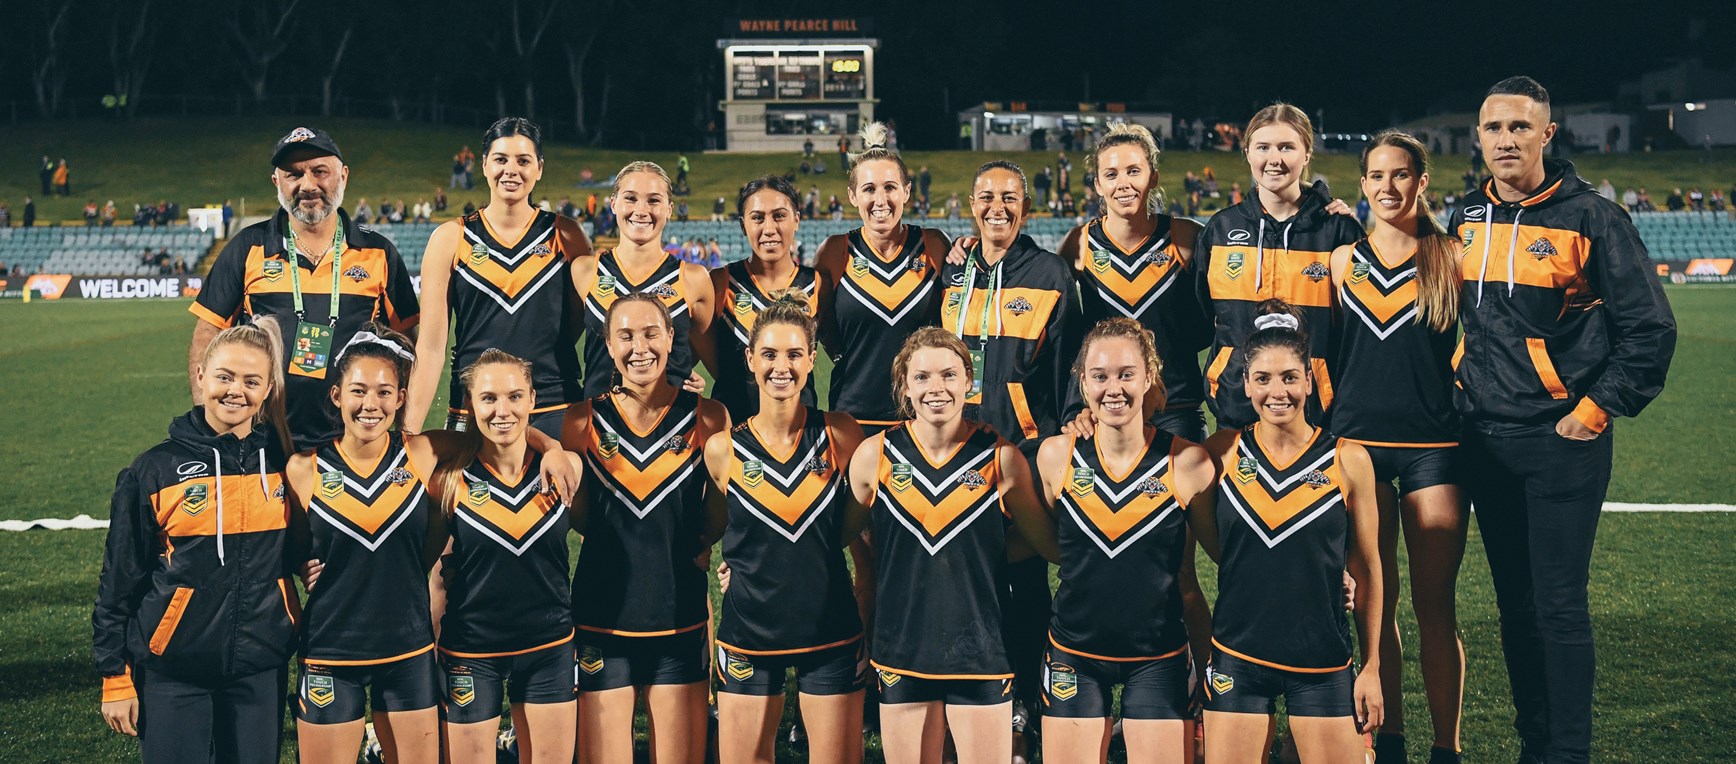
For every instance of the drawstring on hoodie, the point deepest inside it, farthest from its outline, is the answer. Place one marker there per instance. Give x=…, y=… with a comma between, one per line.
x=1260, y=250
x=1512, y=249
x=217, y=468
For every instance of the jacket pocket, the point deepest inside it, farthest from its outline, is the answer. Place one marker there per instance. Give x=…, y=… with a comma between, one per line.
x=1022, y=409
x=1216, y=368
x=1545, y=368
x=1322, y=381
x=171, y=620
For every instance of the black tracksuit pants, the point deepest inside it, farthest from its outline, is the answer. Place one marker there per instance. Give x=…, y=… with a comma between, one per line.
x=236, y=720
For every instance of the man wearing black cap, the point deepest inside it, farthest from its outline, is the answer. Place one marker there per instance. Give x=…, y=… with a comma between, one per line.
x=320, y=276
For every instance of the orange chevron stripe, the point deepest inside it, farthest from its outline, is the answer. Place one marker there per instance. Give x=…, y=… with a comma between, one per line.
x=370, y=517
x=1275, y=511
x=1383, y=307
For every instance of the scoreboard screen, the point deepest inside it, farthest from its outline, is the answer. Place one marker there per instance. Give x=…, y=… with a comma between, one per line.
x=846, y=76
x=755, y=73
x=818, y=72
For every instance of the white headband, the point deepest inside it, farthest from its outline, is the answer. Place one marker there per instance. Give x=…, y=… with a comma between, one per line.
x=1277, y=321
x=370, y=338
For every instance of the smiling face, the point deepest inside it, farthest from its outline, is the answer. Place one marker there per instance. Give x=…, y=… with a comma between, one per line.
x=368, y=397
x=235, y=381
x=1512, y=130
x=511, y=167
x=1276, y=157
x=310, y=189
x=1124, y=178
x=781, y=360
x=769, y=220
x=641, y=207
x=1278, y=385
x=639, y=342
x=999, y=205
x=936, y=382
x=1392, y=184
x=1115, y=381
x=500, y=402
x=879, y=192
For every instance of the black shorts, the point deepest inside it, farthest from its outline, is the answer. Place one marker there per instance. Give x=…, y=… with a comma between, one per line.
x=897, y=688
x=330, y=694
x=836, y=670
x=476, y=686
x=1187, y=424
x=1078, y=687
x=549, y=422
x=1414, y=468
x=1238, y=686
x=611, y=661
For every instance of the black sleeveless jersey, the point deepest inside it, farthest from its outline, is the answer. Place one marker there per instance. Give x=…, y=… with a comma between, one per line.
x=940, y=542
x=1148, y=283
x=789, y=589
x=506, y=579
x=738, y=308
x=635, y=575
x=1283, y=530
x=1395, y=373
x=1122, y=538
x=613, y=281
x=880, y=300
x=514, y=297
x=369, y=525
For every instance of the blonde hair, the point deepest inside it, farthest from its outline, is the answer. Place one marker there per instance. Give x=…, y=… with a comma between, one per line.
x=1128, y=329
x=449, y=472
x=1438, y=279
x=788, y=306
x=1288, y=115
x=1129, y=134
x=264, y=336
x=638, y=166
x=875, y=136
x=926, y=337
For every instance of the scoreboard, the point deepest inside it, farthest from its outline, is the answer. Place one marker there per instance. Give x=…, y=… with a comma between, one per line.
x=798, y=72
x=791, y=82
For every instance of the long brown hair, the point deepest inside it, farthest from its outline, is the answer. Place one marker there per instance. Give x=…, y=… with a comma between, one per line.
x=926, y=337
x=1438, y=279
x=449, y=472
x=264, y=336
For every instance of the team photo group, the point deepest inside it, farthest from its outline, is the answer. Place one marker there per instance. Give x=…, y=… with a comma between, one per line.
x=998, y=417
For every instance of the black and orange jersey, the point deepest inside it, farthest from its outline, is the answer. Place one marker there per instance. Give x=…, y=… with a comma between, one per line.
x=1148, y=282
x=789, y=589
x=1122, y=538
x=514, y=296
x=368, y=523
x=643, y=523
x=251, y=278
x=1244, y=256
x=612, y=281
x=738, y=306
x=506, y=576
x=1562, y=310
x=1027, y=306
x=196, y=574
x=940, y=544
x=1394, y=372
x=1283, y=530
x=881, y=298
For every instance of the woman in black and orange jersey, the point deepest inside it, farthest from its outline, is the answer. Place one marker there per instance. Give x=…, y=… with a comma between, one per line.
x=500, y=590
x=1136, y=262
x=789, y=604
x=941, y=491
x=638, y=265
x=640, y=591
x=1276, y=244
x=196, y=612
x=1121, y=496
x=1398, y=292
x=882, y=281
x=1294, y=508
x=769, y=210
x=502, y=277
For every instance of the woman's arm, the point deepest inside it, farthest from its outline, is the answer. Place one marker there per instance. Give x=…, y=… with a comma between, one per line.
x=434, y=326
x=1035, y=525
x=1364, y=560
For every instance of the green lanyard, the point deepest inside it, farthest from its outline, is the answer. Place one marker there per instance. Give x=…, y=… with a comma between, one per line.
x=988, y=304
x=295, y=270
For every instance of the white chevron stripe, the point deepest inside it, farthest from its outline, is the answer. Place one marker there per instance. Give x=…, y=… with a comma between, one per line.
x=404, y=513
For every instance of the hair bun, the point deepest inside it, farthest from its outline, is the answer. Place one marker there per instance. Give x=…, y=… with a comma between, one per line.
x=1277, y=321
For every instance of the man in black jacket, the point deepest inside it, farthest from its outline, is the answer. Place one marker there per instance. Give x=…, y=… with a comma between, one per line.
x=1566, y=327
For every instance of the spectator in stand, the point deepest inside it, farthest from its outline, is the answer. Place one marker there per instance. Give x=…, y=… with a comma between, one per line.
x=439, y=199
x=399, y=210
x=805, y=169
x=1041, y=183
x=165, y=263
x=1063, y=173
x=717, y=208
x=162, y=216
x=591, y=205
x=424, y=211
x=1470, y=176
x=808, y=148
x=1645, y=204
x=606, y=218
x=1362, y=210
x=364, y=214
x=147, y=256
x=5, y=216
x=1675, y=202
x=923, y=180
x=1606, y=189
x=457, y=172
x=467, y=158
x=1630, y=199
x=62, y=179
x=681, y=210
x=469, y=208
x=91, y=212
x=811, y=204
x=1209, y=183
x=682, y=167
x=1066, y=208
x=109, y=213
x=1696, y=199
x=228, y=215
x=835, y=208
x=844, y=151
x=568, y=209
x=713, y=255
x=1235, y=194
x=29, y=212
x=819, y=166
x=1716, y=203
x=46, y=175
x=952, y=206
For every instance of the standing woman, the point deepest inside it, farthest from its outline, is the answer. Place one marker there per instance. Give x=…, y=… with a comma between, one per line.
x=1399, y=289
x=941, y=490
x=1127, y=561
x=196, y=613
x=503, y=276
x=1136, y=262
x=767, y=207
x=640, y=591
x=499, y=591
x=780, y=476
x=638, y=265
x=882, y=282
x=1293, y=509
x=1276, y=244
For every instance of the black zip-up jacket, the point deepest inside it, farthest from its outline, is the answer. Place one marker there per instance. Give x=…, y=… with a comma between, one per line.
x=1562, y=310
x=196, y=573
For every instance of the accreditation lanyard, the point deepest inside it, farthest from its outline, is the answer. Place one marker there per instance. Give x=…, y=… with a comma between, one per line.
x=295, y=271
x=311, y=351
x=978, y=355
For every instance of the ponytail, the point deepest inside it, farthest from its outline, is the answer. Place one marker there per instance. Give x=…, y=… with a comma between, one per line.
x=263, y=335
x=875, y=136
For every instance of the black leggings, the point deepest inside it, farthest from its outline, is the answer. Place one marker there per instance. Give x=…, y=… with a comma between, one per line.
x=1537, y=500
x=239, y=719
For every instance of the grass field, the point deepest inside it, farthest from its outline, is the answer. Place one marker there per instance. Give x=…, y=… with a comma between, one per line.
x=90, y=384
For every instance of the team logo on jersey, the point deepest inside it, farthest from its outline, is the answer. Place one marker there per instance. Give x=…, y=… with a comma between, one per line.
x=676, y=444
x=610, y=445
x=478, y=253
x=357, y=273
x=1156, y=257
x=1358, y=273
x=1317, y=479
x=194, y=498
x=1221, y=683
x=973, y=480
x=1245, y=470
x=320, y=691
x=278, y=494
x=605, y=285
x=1316, y=271
x=1233, y=265
x=819, y=466
x=1100, y=260
x=743, y=302
x=1470, y=236
x=1240, y=235
x=478, y=493
x=540, y=249
x=461, y=688
x=273, y=269
x=753, y=473
x=739, y=668
x=858, y=266
x=1542, y=248
x=916, y=264
x=1084, y=479
x=664, y=292
x=1152, y=486
x=399, y=476
x=1063, y=682
x=887, y=678
x=590, y=659
x=331, y=484
x=953, y=301
x=957, y=279
x=1020, y=306
x=901, y=476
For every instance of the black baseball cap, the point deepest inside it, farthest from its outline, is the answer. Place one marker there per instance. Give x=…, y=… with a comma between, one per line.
x=303, y=138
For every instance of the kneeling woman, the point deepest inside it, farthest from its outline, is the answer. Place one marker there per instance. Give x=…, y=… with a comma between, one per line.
x=780, y=477
x=1294, y=507
x=640, y=590
x=195, y=614
x=1127, y=560
x=940, y=490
